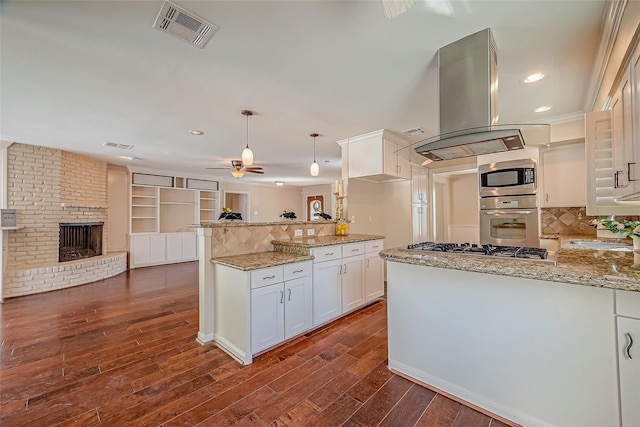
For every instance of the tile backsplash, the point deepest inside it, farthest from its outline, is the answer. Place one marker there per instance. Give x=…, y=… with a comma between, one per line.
x=569, y=220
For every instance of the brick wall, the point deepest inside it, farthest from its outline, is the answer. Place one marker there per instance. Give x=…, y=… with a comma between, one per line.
x=46, y=187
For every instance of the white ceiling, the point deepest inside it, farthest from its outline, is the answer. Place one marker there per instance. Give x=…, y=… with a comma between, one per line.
x=77, y=73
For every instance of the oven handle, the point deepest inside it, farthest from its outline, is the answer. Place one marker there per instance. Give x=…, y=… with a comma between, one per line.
x=507, y=212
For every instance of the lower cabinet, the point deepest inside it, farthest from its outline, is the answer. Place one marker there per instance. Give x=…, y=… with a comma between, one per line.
x=279, y=312
x=345, y=277
x=161, y=248
x=256, y=310
x=628, y=323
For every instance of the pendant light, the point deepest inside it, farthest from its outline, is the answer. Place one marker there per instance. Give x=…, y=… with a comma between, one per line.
x=247, y=154
x=314, y=169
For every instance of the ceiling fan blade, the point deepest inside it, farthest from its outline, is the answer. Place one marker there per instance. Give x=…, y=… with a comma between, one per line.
x=227, y=168
x=255, y=171
x=252, y=168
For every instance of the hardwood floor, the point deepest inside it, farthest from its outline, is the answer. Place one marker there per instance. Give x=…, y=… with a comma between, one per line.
x=122, y=352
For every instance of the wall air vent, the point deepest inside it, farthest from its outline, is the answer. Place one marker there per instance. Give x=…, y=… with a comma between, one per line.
x=184, y=25
x=116, y=145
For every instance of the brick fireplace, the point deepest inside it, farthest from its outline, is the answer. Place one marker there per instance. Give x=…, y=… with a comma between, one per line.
x=48, y=187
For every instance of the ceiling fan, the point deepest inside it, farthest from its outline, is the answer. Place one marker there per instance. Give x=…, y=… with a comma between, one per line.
x=238, y=169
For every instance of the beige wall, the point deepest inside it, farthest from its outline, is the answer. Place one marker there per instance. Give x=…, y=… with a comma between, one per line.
x=267, y=200
x=464, y=215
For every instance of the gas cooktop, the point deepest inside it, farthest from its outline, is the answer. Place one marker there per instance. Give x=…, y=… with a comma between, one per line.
x=519, y=252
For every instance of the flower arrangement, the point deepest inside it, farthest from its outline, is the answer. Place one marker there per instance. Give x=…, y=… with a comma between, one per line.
x=226, y=210
x=626, y=228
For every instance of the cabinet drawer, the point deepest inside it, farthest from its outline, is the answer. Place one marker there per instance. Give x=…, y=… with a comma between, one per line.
x=296, y=270
x=352, y=249
x=628, y=303
x=266, y=276
x=373, y=246
x=326, y=253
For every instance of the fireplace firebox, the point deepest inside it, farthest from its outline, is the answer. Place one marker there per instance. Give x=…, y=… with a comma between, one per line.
x=80, y=240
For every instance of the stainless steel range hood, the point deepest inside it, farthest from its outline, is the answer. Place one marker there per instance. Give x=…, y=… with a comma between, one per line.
x=468, y=86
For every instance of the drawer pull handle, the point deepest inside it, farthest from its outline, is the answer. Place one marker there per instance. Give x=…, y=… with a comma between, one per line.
x=268, y=277
x=298, y=271
x=355, y=250
x=375, y=247
x=330, y=253
x=345, y=269
x=628, y=349
x=281, y=297
x=289, y=294
x=629, y=172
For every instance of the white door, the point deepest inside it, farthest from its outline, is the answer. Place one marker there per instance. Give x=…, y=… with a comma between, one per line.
x=298, y=306
x=373, y=276
x=352, y=283
x=267, y=317
x=629, y=365
x=327, y=291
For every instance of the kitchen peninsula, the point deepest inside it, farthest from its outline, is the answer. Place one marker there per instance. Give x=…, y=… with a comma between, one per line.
x=535, y=343
x=253, y=300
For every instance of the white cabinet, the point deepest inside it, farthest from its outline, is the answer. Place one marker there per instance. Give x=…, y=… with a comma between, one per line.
x=628, y=323
x=352, y=276
x=564, y=176
x=258, y=309
x=327, y=290
x=345, y=277
x=378, y=156
x=419, y=213
x=419, y=184
x=373, y=271
x=161, y=248
x=147, y=249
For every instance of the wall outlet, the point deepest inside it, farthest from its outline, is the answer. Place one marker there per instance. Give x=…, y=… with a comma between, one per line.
x=311, y=232
x=297, y=233
x=353, y=219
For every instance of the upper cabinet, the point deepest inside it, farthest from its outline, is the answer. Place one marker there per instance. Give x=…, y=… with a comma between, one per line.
x=625, y=117
x=563, y=176
x=378, y=156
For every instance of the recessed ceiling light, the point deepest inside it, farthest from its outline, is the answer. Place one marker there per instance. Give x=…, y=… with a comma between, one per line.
x=279, y=183
x=542, y=109
x=533, y=77
x=129, y=158
x=196, y=132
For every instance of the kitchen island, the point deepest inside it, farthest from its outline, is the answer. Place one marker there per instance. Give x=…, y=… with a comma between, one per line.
x=254, y=301
x=532, y=342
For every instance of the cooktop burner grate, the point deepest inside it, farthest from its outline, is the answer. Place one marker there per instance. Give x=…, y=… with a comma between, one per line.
x=489, y=250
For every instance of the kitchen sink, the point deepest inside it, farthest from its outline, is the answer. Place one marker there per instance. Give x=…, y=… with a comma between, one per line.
x=599, y=245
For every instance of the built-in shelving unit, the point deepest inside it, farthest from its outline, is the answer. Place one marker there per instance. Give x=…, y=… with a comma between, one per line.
x=162, y=209
x=209, y=206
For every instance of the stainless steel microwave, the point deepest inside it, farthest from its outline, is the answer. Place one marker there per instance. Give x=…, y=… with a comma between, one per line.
x=515, y=177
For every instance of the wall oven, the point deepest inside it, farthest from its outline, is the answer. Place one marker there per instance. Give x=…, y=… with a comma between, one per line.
x=512, y=178
x=509, y=221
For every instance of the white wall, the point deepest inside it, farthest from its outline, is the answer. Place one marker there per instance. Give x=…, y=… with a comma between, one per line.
x=464, y=215
x=117, y=209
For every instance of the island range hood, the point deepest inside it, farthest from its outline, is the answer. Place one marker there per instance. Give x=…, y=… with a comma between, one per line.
x=468, y=87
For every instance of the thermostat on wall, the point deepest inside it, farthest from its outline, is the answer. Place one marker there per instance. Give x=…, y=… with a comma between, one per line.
x=8, y=218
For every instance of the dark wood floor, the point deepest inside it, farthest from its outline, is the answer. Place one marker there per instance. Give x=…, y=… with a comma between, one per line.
x=122, y=352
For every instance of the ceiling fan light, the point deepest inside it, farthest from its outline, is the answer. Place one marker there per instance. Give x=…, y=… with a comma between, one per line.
x=314, y=169
x=247, y=156
x=237, y=173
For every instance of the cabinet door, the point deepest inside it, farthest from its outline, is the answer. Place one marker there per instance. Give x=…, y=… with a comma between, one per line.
x=174, y=246
x=635, y=114
x=390, y=161
x=267, y=317
x=157, y=249
x=189, y=246
x=404, y=165
x=419, y=180
x=558, y=164
x=327, y=291
x=630, y=167
x=140, y=250
x=298, y=306
x=629, y=366
x=419, y=222
x=352, y=283
x=373, y=276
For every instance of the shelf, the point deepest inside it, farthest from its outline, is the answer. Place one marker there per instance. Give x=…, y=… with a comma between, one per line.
x=143, y=217
x=178, y=203
x=208, y=198
x=207, y=209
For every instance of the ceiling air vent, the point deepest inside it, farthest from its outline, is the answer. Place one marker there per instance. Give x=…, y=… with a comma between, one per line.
x=413, y=132
x=184, y=25
x=116, y=145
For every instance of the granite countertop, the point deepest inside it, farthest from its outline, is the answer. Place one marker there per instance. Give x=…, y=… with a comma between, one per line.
x=599, y=268
x=236, y=223
x=317, y=241
x=257, y=260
